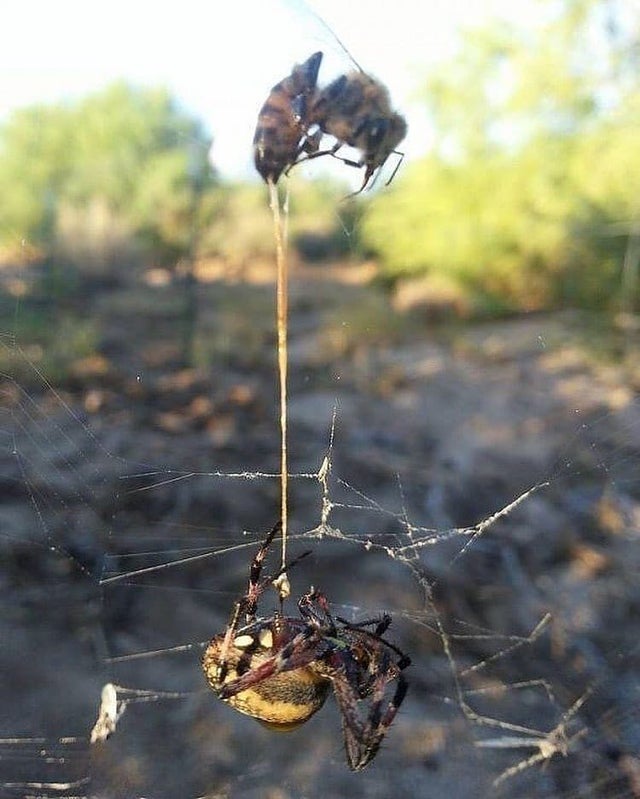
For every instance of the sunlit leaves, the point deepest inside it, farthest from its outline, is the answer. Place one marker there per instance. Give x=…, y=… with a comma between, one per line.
x=131, y=152
x=530, y=194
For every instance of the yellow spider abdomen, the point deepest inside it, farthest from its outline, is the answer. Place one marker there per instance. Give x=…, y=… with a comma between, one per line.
x=281, y=702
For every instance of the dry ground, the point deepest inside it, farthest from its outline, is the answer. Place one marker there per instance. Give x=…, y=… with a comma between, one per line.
x=441, y=426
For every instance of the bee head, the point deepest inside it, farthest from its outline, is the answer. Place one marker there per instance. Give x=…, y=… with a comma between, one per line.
x=382, y=136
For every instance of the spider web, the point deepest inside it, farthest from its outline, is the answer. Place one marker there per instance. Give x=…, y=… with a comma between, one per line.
x=484, y=493
x=120, y=571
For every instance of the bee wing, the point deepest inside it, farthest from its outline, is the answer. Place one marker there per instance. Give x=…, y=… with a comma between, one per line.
x=315, y=29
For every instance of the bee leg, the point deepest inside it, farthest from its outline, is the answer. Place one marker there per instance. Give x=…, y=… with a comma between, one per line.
x=367, y=175
x=309, y=147
x=311, y=143
x=397, y=167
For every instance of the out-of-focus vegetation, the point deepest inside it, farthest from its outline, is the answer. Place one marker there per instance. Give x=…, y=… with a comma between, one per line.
x=529, y=197
x=123, y=179
x=240, y=226
x=527, y=200
x=103, y=183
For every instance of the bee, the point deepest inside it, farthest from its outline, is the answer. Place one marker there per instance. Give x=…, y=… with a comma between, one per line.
x=355, y=109
x=282, y=132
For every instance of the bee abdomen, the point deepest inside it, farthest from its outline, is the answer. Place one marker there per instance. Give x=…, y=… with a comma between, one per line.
x=282, y=121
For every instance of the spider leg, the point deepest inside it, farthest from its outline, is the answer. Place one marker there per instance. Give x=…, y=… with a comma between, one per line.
x=255, y=589
x=314, y=608
x=299, y=652
x=249, y=602
x=362, y=739
x=383, y=622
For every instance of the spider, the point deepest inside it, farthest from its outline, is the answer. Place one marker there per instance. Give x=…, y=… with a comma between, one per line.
x=279, y=669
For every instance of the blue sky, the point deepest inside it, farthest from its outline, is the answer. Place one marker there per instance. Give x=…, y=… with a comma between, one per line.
x=221, y=57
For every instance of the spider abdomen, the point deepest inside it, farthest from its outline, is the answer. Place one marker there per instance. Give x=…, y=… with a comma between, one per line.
x=282, y=701
x=279, y=669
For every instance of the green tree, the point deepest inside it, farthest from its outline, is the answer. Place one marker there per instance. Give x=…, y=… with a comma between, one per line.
x=527, y=198
x=119, y=166
x=241, y=224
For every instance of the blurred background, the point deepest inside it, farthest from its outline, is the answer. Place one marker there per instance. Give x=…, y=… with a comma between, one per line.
x=473, y=326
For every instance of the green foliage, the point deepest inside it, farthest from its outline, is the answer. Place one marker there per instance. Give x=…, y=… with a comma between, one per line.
x=111, y=174
x=34, y=157
x=322, y=226
x=240, y=226
x=528, y=198
x=76, y=337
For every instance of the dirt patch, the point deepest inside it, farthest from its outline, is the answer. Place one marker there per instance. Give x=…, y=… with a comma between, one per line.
x=118, y=468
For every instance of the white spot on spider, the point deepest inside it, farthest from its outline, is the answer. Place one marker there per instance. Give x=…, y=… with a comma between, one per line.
x=266, y=638
x=243, y=641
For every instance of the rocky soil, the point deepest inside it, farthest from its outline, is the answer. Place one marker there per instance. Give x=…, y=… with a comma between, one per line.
x=125, y=542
